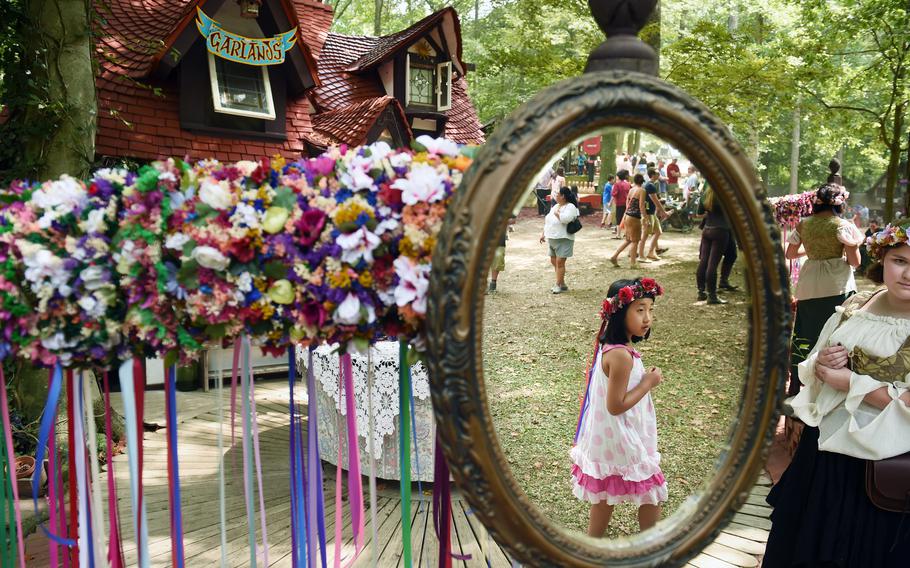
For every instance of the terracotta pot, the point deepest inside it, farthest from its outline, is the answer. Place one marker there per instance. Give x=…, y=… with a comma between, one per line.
x=25, y=469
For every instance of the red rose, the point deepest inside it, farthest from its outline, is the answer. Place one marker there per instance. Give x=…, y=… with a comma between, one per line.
x=390, y=195
x=649, y=284
x=606, y=308
x=626, y=295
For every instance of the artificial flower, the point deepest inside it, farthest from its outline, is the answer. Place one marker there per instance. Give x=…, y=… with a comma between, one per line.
x=210, y=257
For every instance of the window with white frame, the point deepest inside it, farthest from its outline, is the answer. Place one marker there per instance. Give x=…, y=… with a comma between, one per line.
x=427, y=83
x=242, y=90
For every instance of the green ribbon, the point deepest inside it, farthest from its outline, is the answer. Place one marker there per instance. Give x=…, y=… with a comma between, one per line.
x=8, y=506
x=404, y=448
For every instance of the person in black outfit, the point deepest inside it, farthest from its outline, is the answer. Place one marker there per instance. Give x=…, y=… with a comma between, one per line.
x=726, y=266
x=715, y=236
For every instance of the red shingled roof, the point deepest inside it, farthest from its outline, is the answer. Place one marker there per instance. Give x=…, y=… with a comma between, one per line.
x=139, y=116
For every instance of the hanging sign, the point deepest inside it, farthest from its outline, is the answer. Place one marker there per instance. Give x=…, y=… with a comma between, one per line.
x=591, y=146
x=246, y=50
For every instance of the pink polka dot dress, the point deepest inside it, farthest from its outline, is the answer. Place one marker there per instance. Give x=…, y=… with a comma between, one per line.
x=615, y=458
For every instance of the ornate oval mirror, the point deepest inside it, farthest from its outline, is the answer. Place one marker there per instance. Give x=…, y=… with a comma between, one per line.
x=508, y=368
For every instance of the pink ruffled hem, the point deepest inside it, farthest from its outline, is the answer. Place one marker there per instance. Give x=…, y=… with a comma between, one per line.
x=615, y=485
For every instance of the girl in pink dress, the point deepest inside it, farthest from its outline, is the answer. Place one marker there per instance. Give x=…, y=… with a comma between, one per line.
x=615, y=457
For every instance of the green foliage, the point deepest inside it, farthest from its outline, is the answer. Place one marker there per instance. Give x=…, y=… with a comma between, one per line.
x=31, y=114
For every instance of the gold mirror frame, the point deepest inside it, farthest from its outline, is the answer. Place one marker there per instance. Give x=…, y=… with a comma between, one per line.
x=504, y=170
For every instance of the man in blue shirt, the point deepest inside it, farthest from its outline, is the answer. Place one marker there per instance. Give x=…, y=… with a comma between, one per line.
x=606, y=220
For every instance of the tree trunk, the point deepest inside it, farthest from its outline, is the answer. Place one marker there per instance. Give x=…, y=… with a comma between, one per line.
x=794, y=150
x=608, y=146
x=377, y=17
x=894, y=160
x=651, y=32
x=63, y=33
x=907, y=178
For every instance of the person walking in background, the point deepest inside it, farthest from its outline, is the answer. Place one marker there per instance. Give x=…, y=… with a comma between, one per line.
x=560, y=242
x=664, y=181
x=499, y=257
x=726, y=265
x=558, y=182
x=626, y=164
x=863, y=252
x=620, y=196
x=714, y=238
x=690, y=185
x=606, y=220
x=650, y=222
x=580, y=164
x=673, y=174
x=826, y=277
x=635, y=204
x=542, y=189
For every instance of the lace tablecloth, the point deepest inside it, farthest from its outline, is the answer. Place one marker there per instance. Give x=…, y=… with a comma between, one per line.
x=385, y=410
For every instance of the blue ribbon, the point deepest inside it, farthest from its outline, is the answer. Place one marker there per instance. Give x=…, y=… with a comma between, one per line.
x=47, y=420
x=314, y=464
x=298, y=519
x=172, y=439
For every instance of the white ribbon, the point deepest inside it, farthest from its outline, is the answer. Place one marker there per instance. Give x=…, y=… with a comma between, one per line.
x=132, y=439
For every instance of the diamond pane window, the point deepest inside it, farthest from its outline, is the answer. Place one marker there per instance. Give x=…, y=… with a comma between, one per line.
x=241, y=89
x=422, y=86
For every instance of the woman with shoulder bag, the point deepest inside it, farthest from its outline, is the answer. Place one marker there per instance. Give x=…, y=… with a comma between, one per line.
x=855, y=403
x=555, y=232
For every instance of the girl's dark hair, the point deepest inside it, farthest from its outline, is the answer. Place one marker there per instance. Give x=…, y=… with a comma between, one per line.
x=615, y=331
x=825, y=196
x=639, y=179
x=623, y=175
x=569, y=195
x=834, y=176
x=876, y=273
x=560, y=172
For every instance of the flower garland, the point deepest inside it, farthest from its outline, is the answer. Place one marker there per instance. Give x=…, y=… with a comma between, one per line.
x=176, y=257
x=790, y=209
x=891, y=235
x=644, y=288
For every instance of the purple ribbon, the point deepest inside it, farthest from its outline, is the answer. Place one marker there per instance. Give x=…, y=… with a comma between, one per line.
x=316, y=499
x=355, y=483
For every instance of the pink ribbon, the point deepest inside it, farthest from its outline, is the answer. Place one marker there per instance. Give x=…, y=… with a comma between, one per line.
x=355, y=482
x=52, y=488
x=8, y=432
x=255, y=421
x=115, y=548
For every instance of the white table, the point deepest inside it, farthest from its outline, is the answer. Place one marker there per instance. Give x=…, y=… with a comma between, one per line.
x=385, y=410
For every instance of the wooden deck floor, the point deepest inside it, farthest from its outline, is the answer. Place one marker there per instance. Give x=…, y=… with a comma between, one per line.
x=739, y=545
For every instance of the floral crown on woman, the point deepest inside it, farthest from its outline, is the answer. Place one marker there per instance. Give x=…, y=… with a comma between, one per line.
x=831, y=194
x=644, y=288
x=892, y=235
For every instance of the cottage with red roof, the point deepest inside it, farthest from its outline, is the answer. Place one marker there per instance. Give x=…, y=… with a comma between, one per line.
x=232, y=79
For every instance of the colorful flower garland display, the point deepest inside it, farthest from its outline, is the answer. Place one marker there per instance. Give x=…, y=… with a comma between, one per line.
x=176, y=257
x=891, y=235
x=789, y=209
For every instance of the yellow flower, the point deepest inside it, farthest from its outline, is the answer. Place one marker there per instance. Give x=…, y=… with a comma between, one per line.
x=274, y=220
x=366, y=279
x=339, y=280
x=278, y=162
x=281, y=292
x=350, y=210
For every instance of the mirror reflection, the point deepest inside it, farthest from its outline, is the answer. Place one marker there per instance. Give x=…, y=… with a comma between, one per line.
x=611, y=423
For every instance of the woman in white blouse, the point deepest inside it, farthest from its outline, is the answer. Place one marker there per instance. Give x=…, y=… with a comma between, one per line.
x=560, y=242
x=855, y=403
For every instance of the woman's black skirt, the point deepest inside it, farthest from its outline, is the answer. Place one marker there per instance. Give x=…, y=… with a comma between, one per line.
x=811, y=316
x=823, y=518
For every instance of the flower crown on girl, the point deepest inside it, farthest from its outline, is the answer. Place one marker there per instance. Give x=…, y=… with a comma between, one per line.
x=646, y=287
x=892, y=235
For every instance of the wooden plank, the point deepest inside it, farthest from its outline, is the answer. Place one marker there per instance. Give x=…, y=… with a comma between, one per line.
x=741, y=544
x=760, y=490
x=463, y=539
x=756, y=511
x=745, y=531
x=389, y=527
x=706, y=561
x=757, y=500
x=752, y=521
x=730, y=555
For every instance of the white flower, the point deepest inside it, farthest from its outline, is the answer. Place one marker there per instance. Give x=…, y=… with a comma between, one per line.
x=93, y=277
x=95, y=222
x=210, y=257
x=93, y=307
x=348, y=311
x=42, y=268
x=58, y=342
x=246, y=167
x=176, y=241
x=216, y=194
x=58, y=198
x=359, y=244
x=400, y=159
x=386, y=225
x=379, y=150
x=245, y=282
x=413, y=283
x=423, y=183
x=438, y=146
x=246, y=214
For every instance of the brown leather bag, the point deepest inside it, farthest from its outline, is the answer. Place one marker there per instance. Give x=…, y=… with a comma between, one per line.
x=888, y=483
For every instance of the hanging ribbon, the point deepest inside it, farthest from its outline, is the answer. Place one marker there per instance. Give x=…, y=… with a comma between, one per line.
x=234, y=372
x=404, y=440
x=258, y=458
x=84, y=527
x=316, y=498
x=298, y=528
x=355, y=482
x=99, y=539
x=248, y=451
x=7, y=506
x=442, y=508
x=11, y=457
x=338, y=503
x=53, y=514
x=71, y=459
x=115, y=547
x=133, y=417
x=374, y=543
x=222, y=506
x=173, y=467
